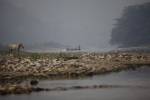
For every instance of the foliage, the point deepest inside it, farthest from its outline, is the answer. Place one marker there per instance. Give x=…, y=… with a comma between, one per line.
x=133, y=28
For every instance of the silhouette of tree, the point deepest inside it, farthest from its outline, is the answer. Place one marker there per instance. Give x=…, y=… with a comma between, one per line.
x=133, y=28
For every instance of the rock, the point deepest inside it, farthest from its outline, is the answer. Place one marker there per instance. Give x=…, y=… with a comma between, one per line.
x=3, y=61
x=14, y=89
x=34, y=82
x=38, y=89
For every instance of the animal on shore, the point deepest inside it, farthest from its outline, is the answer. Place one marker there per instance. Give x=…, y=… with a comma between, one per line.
x=15, y=47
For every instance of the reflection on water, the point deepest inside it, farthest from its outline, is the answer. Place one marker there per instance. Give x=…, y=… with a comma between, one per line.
x=139, y=77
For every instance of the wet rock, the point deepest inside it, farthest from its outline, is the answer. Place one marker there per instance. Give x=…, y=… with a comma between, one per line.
x=38, y=89
x=34, y=82
x=14, y=89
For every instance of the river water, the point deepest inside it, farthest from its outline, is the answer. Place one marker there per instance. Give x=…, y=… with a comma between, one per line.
x=135, y=79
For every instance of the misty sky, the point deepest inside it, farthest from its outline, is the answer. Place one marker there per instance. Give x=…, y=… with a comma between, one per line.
x=70, y=22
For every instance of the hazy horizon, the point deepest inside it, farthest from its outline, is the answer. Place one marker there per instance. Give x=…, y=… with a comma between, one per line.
x=69, y=22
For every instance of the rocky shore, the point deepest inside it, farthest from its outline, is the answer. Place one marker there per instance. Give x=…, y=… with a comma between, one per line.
x=69, y=65
x=15, y=69
x=15, y=89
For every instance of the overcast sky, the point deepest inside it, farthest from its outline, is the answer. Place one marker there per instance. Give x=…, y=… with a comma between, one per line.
x=70, y=22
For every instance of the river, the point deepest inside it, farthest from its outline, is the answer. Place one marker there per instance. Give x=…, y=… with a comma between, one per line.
x=138, y=81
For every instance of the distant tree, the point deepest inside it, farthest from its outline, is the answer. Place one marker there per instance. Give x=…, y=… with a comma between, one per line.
x=133, y=28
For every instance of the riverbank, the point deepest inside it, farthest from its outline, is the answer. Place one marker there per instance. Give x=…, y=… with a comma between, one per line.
x=67, y=65
x=14, y=69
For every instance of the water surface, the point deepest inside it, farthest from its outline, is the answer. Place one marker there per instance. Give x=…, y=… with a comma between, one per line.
x=132, y=78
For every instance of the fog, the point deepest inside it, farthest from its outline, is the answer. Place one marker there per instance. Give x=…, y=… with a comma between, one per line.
x=70, y=22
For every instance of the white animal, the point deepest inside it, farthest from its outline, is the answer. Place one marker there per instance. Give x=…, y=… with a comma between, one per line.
x=15, y=47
